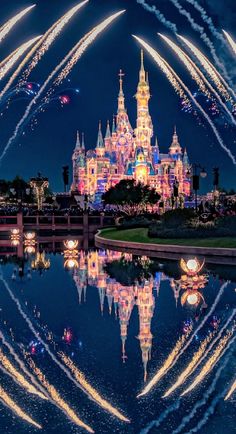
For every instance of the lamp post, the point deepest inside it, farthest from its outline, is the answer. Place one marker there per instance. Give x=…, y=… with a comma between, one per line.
x=197, y=172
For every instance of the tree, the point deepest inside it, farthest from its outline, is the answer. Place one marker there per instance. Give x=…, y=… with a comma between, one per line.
x=130, y=197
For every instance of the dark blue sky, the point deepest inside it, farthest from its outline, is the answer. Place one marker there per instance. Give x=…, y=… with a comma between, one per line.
x=50, y=145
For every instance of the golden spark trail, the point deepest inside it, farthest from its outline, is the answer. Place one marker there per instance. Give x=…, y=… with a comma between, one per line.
x=171, y=74
x=219, y=81
x=231, y=390
x=42, y=46
x=102, y=27
x=56, y=398
x=199, y=356
x=211, y=362
x=14, y=57
x=197, y=75
x=22, y=366
x=230, y=41
x=8, y=402
x=153, y=382
x=17, y=376
x=183, y=377
x=92, y=392
x=166, y=366
x=5, y=29
x=49, y=37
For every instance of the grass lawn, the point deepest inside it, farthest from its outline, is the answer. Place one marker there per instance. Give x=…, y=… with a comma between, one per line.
x=139, y=235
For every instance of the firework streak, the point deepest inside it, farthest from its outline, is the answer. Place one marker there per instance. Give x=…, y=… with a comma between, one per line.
x=86, y=388
x=98, y=29
x=159, y=15
x=197, y=75
x=218, y=80
x=199, y=356
x=203, y=35
x=231, y=390
x=162, y=417
x=22, y=365
x=14, y=57
x=211, y=362
x=5, y=29
x=203, y=400
x=156, y=378
x=92, y=392
x=17, y=376
x=60, y=403
x=8, y=402
x=230, y=41
x=42, y=46
x=177, y=83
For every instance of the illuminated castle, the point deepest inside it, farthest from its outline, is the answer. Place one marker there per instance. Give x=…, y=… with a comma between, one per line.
x=129, y=153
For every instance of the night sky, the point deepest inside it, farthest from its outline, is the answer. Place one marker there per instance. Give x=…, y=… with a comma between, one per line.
x=50, y=145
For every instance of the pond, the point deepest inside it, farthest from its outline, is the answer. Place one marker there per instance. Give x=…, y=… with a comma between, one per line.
x=93, y=340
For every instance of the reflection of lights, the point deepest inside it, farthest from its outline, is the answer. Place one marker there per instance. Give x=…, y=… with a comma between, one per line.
x=40, y=262
x=71, y=254
x=192, y=298
x=192, y=266
x=15, y=242
x=71, y=244
x=30, y=250
x=71, y=263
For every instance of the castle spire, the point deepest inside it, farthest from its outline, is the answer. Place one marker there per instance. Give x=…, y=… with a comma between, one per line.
x=114, y=125
x=83, y=144
x=108, y=131
x=100, y=143
x=121, y=98
x=78, y=145
x=142, y=70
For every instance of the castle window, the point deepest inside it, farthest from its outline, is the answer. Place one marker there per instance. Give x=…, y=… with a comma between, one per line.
x=92, y=171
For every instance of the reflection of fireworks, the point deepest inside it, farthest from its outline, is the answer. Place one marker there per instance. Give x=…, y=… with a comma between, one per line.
x=91, y=391
x=174, y=78
x=230, y=41
x=167, y=364
x=185, y=374
x=198, y=76
x=16, y=375
x=57, y=399
x=85, y=45
x=5, y=29
x=211, y=362
x=231, y=390
x=6, y=400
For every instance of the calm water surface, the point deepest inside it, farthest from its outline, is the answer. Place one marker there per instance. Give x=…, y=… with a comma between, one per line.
x=118, y=319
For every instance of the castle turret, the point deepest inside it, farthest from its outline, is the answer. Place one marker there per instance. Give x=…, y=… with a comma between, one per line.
x=175, y=149
x=100, y=147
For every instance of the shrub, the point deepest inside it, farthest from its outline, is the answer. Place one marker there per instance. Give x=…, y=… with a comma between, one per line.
x=177, y=217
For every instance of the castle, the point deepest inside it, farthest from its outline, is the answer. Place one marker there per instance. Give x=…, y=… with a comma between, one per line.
x=127, y=153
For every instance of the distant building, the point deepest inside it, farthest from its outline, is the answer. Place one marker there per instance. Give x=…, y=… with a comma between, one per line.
x=127, y=153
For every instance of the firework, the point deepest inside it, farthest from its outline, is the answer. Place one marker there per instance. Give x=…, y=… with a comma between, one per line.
x=167, y=364
x=203, y=35
x=185, y=374
x=101, y=27
x=22, y=365
x=218, y=80
x=211, y=362
x=91, y=391
x=174, y=78
x=197, y=75
x=10, y=61
x=159, y=15
x=8, y=402
x=5, y=29
x=42, y=46
x=230, y=41
x=231, y=390
x=56, y=398
x=17, y=376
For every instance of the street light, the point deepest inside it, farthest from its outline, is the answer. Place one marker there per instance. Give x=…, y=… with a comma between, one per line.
x=196, y=179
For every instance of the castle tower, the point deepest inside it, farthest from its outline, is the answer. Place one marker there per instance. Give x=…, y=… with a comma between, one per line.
x=100, y=147
x=175, y=149
x=144, y=127
x=123, y=126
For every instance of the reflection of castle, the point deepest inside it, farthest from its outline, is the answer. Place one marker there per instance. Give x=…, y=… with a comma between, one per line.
x=128, y=153
x=91, y=271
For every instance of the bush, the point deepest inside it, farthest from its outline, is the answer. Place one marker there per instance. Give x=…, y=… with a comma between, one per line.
x=140, y=221
x=177, y=217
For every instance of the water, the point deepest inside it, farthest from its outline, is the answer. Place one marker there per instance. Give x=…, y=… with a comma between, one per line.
x=81, y=308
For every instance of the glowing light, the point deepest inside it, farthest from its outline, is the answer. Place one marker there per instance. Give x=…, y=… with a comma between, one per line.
x=231, y=390
x=5, y=29
x=167, y=364
x=91, y=391
x=71, y=244
x=40, y=262
x=18, y=376
x=185, y=374
x=209, y=365
x=231, y=41
x=64, y=99
x=8, y=401
x=83, y=44
x=29, y=235
x=210, y=69
x=192, y=298
x=15, y=231
x=71, y=263
x=58, y=400
x=183, y=91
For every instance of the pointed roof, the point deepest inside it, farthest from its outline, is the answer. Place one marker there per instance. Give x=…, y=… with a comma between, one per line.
x=100, y=142
x=83, y=144
x=142, y=74
x=78, y=145
x=114, y=124
x=108, y=131
x=175, y=140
